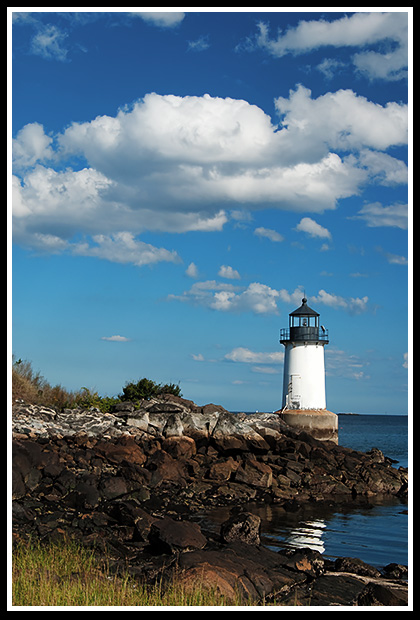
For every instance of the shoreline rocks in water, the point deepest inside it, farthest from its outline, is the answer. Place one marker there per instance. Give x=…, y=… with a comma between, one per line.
x=130, y=483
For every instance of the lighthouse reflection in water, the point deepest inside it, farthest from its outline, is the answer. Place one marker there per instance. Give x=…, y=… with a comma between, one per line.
x=308, y=534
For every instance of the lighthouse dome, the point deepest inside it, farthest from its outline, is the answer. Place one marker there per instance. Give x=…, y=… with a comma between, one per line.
x=304, y=309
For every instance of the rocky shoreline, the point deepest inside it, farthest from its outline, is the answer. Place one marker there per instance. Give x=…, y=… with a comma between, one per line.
x=130, y=484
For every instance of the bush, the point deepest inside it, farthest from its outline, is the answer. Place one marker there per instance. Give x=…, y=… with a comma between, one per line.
x=145, y=389
x=87, y=399
x=31, y=387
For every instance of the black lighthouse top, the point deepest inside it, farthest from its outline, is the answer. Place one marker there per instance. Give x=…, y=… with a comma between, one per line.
x=304, y=326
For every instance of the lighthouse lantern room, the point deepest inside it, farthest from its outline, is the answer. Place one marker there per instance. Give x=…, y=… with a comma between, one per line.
x=304, y=398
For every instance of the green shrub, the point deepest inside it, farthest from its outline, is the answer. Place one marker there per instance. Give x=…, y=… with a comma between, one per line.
x=88, y=399
x=31, y=387
x=145, y=389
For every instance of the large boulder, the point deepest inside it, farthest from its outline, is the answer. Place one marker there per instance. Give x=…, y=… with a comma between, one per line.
x=169, y=536
x=243, y=527
x=232, y=435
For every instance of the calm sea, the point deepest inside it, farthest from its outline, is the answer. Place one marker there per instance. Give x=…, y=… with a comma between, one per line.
x=377, y=532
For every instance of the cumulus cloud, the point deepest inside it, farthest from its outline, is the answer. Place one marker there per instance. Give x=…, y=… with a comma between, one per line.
x=312, y=228
x=353, y=305
x=261, y=299
x=226, y=271
x=341, y=121
x=225, y=297
x=192, y=270
x=31, y=146
x=383, y=168
x=176, y=164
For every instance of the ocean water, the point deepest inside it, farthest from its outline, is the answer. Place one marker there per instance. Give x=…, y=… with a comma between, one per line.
x=376, y=532
x=389, y=433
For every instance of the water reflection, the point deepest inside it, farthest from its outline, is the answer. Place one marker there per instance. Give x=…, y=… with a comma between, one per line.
x=374, y=531
x=308, y=534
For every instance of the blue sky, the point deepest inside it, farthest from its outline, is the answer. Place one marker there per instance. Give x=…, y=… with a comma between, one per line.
x=181, y=179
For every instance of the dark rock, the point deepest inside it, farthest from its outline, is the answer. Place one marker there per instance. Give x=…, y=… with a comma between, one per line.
x=305, y=560
x=124, y=407
x=327, y=590
x=384, y=595
x=183, y=448
x=88, y=494
x=111, y=488
x=243, y=527
x=223, y=469
x=169, y=536
x=395, y=571
x=118, y=482
x=164, y=468
x=124, y=449
x=255, y=474
x=354, y=565
x=211, y=408
x=236, y=574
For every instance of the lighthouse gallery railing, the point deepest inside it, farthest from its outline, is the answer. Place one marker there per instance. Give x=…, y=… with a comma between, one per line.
x=304, y=334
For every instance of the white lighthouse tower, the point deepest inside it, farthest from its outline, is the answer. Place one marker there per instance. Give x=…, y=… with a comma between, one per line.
x=304, y=401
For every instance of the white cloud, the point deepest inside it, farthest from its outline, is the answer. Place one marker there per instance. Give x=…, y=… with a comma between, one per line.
x=31, y=146
x=265, y=370
x=375, y=214
x=177, y=164
x=192, y=270
x=199, y=45
x=116, y=338
x=342, y=364
x=198, y=358
x=312, y=228
x=395, y=259
x=48, y=42
x=330, y=66
x=294, y=298
x=262, y=299
x=382, y=168
x=160, y=18
x=341, y=120
x=244, y=355
x=353, y=305
x=226, y=271
x=273, y=235
x=256, y=297
x=356, y=31
x=122, y=247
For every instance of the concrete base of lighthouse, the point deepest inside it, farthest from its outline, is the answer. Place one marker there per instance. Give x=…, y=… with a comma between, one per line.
x=320, y=423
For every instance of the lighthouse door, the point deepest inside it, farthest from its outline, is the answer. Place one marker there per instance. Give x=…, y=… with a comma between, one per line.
x=294, y=391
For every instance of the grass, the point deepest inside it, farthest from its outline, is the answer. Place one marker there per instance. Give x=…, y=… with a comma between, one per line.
x=67, y=574
x=31, y=387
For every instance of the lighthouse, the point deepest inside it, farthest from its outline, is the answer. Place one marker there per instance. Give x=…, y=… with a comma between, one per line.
x=304, y=398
